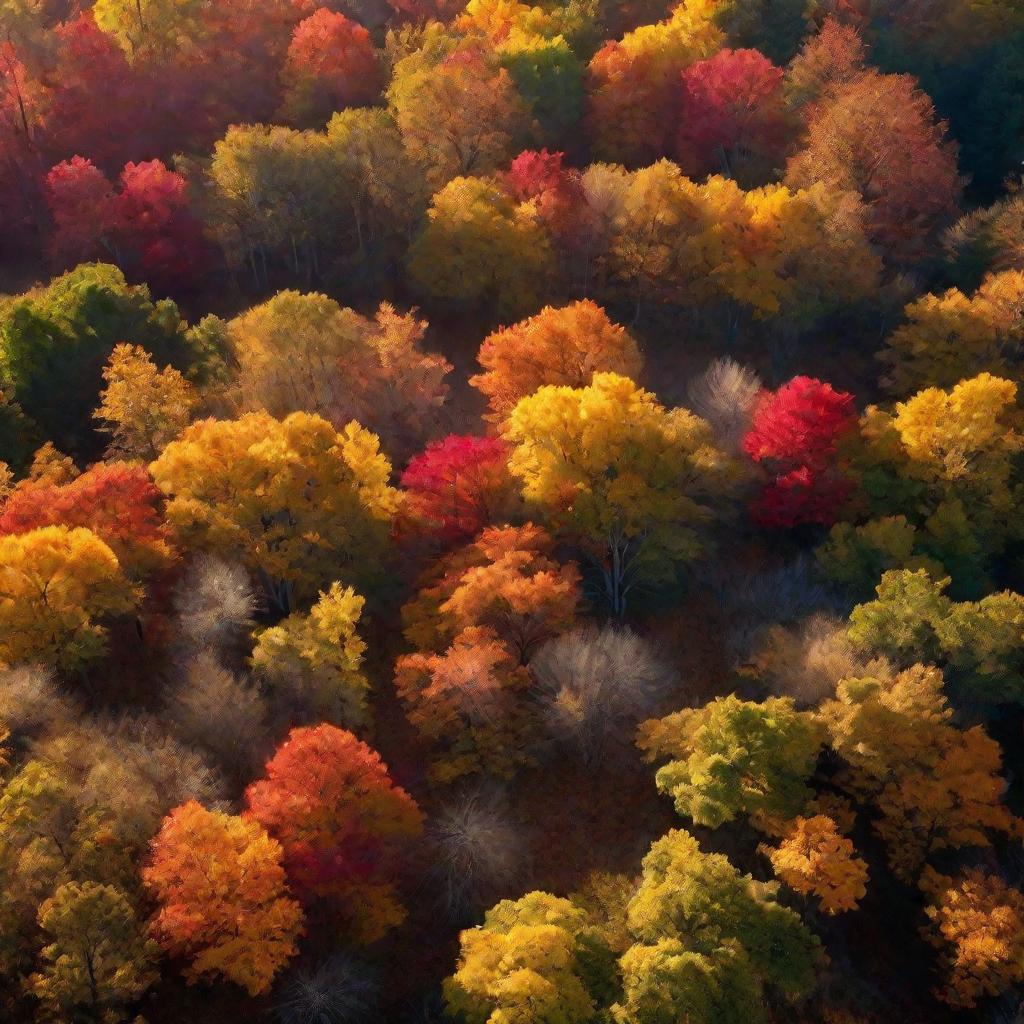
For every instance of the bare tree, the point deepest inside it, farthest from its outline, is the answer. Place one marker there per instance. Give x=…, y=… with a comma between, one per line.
x=724, y=395
x=476, y=850
x=31, y=702
x=221, y=712
x=806, y=661
x=340, y=990
x=215, y=604
x=594, y=685
x=753, y=601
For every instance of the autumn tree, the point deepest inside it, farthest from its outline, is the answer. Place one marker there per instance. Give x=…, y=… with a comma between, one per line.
x=877, y=135
x=222, y=898
x=506, y=580
x=313, y=662
x=725, y=395
x=708, y=941
x=459, y=485
x=214, y=606
x=80, y=201
x=976, y=921
x=115, y=500
x=615, y=470
x=458, y=117
x=97, y=958
x=946, y=461
x=632, y=84
x=310, y=507
x=470, y=703
x=384, y=190
x=331, y=64
x=832, y=57
x=86, y=62
x=951, y=337
x=564, y=346
x=305, y=353
x=815, y=858
x=477, y=850
x=524, y=963
x=794, y=433
x=160, y=238
x=478, y=246
x=912, y=620
x=731, y=115
x=343, y=824
x=57, y=585
x=595, y=686
x=142, y=408
x=55, y=341
x=220, y=712
x=735, y=757
x=935, y=787
x=548, y=75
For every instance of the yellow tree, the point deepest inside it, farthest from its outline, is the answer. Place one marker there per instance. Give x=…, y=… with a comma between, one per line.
x=56, y=586
x=313, y=662
x=935, y=787
x=815, y=858
x=300, y=502
x=734, y=757
x=304, y=352
x=695, y=916
x=522, y=965
x=97, y=958
x=669, y=235
x=221, y=895
x=950, y=337
x=977, y=922
x=624, y=476
x=564, y=345
x=459, y=116
x=142, y=408
x=478, y=245
x=150, y=27
x=946, y=460
x=803, y=252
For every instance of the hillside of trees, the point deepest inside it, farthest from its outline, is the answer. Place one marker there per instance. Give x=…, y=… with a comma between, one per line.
x=511, y=514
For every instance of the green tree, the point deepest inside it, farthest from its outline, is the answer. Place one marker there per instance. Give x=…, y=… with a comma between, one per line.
x=691, y=902
x=98, y=958
x=55, y=342
x=734, y=757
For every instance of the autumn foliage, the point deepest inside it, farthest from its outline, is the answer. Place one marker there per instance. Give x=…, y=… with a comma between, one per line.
x=458, y=486
x=342, y=822
x=794, y=434
x=222, y=897
x=730, y=112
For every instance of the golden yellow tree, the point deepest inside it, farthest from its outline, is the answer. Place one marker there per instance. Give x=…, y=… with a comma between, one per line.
x=314, y=662
x=935, y=787
x=815, y=858
x=142, y=408
x=626, y=477
x=950, y=337
x=302, y=503
x=478, y=245
x=977, y=922
x=56, y=587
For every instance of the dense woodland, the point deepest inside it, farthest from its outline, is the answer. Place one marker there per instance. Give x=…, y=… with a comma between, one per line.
x=511, y=515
